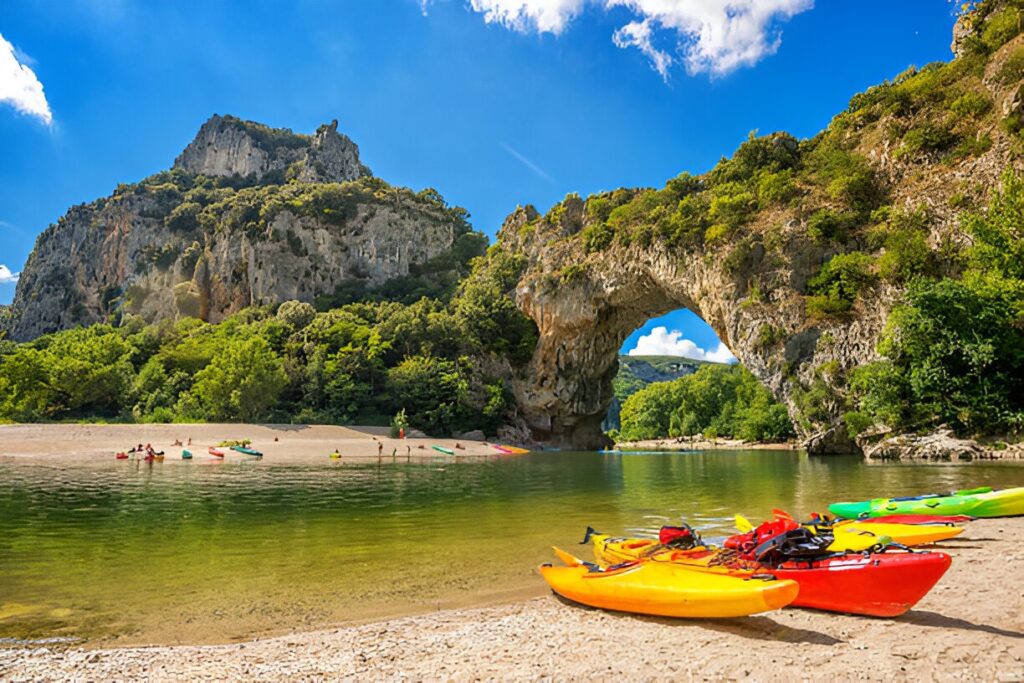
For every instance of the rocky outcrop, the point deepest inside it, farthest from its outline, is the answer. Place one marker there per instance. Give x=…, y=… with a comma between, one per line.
x=941, y=445
x=183, y=244
x=227, y=146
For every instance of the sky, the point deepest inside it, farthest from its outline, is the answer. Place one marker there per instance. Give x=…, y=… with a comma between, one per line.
x=495, y=103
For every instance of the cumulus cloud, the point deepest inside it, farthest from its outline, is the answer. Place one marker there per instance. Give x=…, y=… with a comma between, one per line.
x=705, y=36
x=661, y=342
x=6, y=276
x=19, y=86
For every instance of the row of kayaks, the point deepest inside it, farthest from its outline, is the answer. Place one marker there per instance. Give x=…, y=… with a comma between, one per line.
x=868, y=564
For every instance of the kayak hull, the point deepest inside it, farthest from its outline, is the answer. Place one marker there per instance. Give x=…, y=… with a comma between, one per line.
x=667, y=590
x=247, y=451
x=877, y=585
x=998, y=503
x=906, y=534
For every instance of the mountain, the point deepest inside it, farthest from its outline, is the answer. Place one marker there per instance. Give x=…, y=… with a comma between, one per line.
x=636, y=372
x=248, y=215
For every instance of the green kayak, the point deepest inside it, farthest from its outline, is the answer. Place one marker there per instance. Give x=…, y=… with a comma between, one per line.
x=979, y=502
x=186, y=455
x=244, y=450
x=442, y=449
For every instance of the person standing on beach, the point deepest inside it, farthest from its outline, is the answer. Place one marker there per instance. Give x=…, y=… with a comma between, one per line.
x=380, y=449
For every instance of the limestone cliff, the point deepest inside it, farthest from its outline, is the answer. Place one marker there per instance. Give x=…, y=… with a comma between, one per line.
x=248, y=215
x=746, y=245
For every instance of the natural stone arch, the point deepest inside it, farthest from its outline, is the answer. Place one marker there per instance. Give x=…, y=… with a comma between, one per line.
x=586, y=304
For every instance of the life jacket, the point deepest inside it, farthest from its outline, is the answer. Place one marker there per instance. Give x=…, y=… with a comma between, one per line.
x=746, y=544
x=680, y=537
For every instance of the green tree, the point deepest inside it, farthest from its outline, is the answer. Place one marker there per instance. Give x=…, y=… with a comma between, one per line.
x=242, y=381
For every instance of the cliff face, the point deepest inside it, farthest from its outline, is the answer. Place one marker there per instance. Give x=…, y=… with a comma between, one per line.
x=222, y=231
x=746, y=247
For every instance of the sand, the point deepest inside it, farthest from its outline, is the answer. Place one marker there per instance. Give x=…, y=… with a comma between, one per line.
x=970, y=627
x=291, y=444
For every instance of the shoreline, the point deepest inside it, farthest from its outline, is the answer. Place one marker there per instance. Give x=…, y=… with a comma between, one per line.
x=969, y=626
x=280, y=443
x=669, y=444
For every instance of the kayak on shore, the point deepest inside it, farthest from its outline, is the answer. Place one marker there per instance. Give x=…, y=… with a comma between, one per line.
x=215, y=452
x=245, y=450
x=979, y=502
x=442, y=449
x=880, y=584
x=666, y=589
x=849, y=535
x=186, y=455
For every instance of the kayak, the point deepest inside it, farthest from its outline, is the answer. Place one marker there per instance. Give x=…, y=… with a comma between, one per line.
x=665, y=589
x=215, y=452
x=510, y=450
x=442, y=449
x=980, y=502
x=916, y=519
x=121, y=456
x=186, y=455
x=245, y=450
x=905, y=534
x=883, y=584
x=848, y=536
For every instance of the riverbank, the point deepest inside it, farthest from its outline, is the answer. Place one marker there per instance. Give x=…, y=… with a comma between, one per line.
x=702, y=444
x=971, y=626
x=283, y=443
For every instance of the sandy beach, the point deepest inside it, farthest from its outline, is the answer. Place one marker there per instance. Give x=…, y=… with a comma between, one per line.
x=970, y=627
x=283, y=443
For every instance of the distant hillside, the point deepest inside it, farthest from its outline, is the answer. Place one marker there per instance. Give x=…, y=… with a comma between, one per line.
x=636, y=372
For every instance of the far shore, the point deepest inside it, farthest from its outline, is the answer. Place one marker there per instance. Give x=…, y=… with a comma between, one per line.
x=280, y=443
x=702, y=444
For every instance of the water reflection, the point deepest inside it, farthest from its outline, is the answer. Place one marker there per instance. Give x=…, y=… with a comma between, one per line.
x=215, y=552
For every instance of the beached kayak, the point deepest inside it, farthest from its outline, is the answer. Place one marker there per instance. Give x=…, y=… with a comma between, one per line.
x=245, y=450
x=667, y=590
x=442, y=449
x=847, y=536
x=916, y=519
x=877, y=584
x=509, y=450
x=980, y=502
x=215, y=452
x=186, y=455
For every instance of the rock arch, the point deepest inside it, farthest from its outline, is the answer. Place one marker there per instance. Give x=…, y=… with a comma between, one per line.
x=586, y=304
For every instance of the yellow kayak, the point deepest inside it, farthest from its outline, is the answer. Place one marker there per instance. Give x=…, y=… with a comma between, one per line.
x=905, y=534
x=666, y=589
x=855, y=536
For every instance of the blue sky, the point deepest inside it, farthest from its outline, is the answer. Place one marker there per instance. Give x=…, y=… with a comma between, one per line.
x=493, y=102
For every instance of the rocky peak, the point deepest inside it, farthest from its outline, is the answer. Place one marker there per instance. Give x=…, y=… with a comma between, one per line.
x=227, y=146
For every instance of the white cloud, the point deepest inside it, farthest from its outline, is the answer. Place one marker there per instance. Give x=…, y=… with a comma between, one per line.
x=6, y=276
x=545, y=16
x=19, y=86
x=706, y=36
x=661, y=342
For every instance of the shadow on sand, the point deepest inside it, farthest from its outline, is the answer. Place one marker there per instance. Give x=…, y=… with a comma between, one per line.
x=925, y=618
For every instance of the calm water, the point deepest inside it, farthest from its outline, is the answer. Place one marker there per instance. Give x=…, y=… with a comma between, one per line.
x=197, y=552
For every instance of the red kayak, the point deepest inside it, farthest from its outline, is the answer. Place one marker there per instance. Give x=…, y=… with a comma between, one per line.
x=216, y=452
x=877, y=585
x=916, y=519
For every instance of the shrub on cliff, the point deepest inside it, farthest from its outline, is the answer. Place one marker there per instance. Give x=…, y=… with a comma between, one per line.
x=954, y=350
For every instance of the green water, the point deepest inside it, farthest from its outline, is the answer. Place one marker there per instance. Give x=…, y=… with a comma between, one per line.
x=122, y=552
